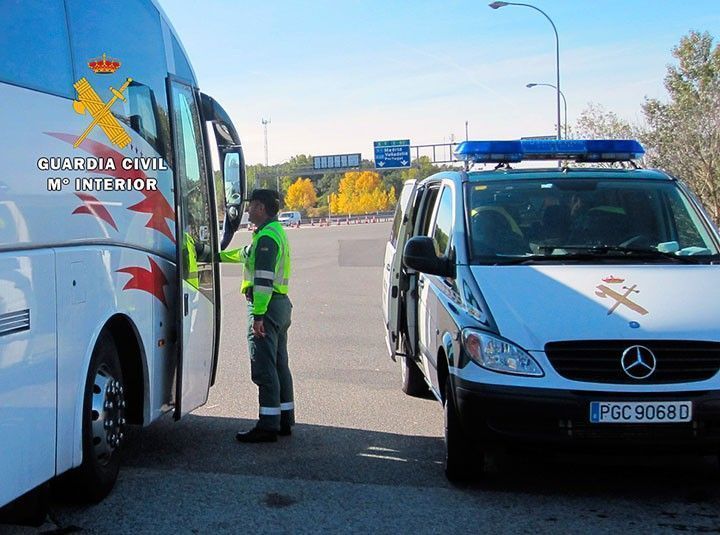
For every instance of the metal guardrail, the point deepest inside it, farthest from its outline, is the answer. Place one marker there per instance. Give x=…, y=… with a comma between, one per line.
x=335, y=220
x=377, y=217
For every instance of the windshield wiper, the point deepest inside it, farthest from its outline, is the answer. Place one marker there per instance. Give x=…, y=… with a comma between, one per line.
x=593, y=252
x=535, y=258
x=635, y=252
x=519, y=260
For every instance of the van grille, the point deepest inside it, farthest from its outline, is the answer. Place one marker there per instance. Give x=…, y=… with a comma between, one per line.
x=14, y=322
x=599, y=360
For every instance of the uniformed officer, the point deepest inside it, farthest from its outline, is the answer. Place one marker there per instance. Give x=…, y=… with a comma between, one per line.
x=265, y=285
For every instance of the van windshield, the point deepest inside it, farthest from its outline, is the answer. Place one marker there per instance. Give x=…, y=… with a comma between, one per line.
x=590, y=220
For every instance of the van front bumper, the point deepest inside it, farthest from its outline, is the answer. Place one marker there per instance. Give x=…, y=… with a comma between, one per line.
x=518, y=416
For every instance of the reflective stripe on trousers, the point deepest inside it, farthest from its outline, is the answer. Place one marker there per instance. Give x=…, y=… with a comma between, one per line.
x=269, y=364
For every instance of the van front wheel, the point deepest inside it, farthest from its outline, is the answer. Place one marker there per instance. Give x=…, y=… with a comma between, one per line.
x=463, y=463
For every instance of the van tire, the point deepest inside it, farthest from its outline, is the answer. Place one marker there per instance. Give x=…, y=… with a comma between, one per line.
x=103, y=425
x=413, y=381
x=463, y=463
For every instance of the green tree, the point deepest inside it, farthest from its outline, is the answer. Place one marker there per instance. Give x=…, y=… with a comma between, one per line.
x=328, y=183
x=595, y=122
x=683, y=134
x=285, y=183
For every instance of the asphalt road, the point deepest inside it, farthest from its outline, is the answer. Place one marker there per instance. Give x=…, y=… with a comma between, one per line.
x=364, y=457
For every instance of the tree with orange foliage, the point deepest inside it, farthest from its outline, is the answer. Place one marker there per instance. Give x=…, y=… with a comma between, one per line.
x=361, y=192
x=301, y=195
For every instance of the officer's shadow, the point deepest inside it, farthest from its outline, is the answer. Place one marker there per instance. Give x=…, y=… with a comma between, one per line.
x=313, y=452
x=324, y=453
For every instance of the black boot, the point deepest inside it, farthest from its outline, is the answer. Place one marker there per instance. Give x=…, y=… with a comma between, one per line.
x=285, y=430
x=257, y=435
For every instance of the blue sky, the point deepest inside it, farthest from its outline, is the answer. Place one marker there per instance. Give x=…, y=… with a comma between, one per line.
x=334, y=76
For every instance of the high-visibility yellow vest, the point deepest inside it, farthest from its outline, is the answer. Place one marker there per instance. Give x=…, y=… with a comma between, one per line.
x=282, y=268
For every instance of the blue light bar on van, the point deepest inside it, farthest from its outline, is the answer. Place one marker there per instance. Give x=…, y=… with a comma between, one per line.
x=579, y=150
x=489, y=151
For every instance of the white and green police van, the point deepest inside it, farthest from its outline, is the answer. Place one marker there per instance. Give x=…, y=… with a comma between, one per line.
x=565, y=306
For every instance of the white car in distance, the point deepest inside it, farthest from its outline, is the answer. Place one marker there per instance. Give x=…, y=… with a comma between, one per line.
x=289, y=218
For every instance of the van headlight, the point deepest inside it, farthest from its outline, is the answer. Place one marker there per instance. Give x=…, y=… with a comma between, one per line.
x=499, y=355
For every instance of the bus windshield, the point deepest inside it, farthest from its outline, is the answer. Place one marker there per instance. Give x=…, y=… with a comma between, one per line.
x=559, y=219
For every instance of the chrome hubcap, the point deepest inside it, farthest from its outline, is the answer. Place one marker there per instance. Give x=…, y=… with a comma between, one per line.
x=107, y=414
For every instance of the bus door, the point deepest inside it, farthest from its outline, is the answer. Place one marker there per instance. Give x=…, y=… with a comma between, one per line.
x=196, y=309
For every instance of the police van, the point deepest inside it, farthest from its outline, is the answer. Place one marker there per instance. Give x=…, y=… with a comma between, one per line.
x=562, y=306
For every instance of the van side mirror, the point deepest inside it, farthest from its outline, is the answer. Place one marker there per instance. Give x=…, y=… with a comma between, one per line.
x=419, y=254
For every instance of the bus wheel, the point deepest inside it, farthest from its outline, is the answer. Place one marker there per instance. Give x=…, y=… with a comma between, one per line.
x=103, y=426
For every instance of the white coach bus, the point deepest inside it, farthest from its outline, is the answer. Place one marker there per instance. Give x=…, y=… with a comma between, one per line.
x=108, y=315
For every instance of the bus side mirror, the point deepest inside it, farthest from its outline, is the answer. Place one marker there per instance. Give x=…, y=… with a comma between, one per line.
x=234, y=181
x=234, y=191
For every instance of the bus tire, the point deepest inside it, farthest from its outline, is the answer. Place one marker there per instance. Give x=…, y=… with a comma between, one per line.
x=103, y=423
x=30, y=509
x=413, y=381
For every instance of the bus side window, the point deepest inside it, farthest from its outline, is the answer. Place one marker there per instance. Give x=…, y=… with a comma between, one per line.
x=182, y=67
x=30, y=55
x=148, y=120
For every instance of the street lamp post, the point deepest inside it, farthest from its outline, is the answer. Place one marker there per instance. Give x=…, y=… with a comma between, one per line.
x=564, y=102
x=498, y=5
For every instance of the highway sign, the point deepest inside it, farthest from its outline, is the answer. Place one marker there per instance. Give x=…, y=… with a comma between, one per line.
x=393, y=154
x=337, y=161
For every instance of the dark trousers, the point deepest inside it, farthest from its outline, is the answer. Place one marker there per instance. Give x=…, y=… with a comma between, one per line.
x=269, y=365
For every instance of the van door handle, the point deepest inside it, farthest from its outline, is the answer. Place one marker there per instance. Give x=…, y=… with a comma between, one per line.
x=387, y=267
x=421, y=283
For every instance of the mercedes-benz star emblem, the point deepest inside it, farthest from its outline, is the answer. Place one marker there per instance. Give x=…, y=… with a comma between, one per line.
x=638, y=362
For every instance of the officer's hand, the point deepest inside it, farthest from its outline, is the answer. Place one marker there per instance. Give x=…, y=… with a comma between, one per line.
x=259, y=328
